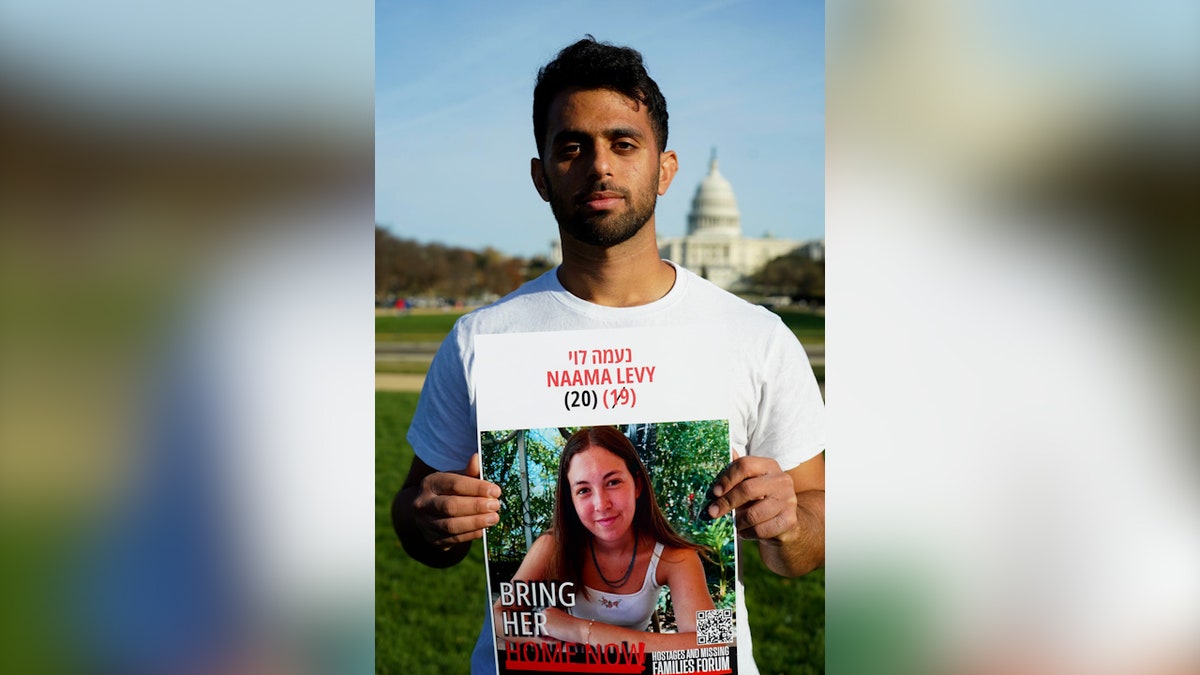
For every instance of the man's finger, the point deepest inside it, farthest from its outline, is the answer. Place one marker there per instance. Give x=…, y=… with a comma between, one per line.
x=740, y=471
x=458, y=539
x=766, y=519
x=750, y=490
x=473, y=466
x=465, y=528
x=454, y=506
x=734, y=498
x=460, y=485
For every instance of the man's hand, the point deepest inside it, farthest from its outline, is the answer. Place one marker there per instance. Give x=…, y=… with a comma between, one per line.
x=785, y=511
x=452, y=508
x=437, y=514
x=763, y=494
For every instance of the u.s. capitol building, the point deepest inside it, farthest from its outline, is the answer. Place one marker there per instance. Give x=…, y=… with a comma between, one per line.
x=714, y=246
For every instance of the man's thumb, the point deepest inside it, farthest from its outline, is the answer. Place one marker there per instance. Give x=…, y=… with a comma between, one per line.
x=473, y=467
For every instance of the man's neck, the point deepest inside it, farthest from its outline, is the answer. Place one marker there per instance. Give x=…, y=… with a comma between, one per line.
x=625, y=275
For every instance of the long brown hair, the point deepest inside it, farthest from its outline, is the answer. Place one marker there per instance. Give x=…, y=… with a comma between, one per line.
x=572, y=537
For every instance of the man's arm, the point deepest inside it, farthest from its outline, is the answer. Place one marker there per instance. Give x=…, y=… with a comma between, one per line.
x=438, y=514
x=801, y=549
x=783, y=510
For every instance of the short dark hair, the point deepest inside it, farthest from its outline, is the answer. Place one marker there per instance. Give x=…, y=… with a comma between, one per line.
x=589, y=64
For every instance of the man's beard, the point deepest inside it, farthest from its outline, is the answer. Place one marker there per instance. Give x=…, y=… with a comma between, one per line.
x=602, y=229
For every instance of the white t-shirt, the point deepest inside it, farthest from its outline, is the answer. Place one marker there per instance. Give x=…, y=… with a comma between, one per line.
x=777, y=407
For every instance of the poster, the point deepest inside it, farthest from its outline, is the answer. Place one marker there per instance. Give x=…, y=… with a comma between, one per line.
x=604, y=444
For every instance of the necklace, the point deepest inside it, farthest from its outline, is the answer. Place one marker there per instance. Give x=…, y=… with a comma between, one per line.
x=628, y=572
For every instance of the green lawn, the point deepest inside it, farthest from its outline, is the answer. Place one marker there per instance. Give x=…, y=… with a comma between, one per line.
x=426, y=620
x=809, y=328
x=422, y=327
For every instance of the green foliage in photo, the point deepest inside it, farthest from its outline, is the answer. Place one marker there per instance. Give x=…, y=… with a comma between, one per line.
x=682, y=459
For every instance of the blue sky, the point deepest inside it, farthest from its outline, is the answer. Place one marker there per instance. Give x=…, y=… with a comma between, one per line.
x=454, y=86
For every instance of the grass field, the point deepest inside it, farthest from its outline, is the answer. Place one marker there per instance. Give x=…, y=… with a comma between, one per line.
x=426, y=620
x=809, y=328
x=415, y=327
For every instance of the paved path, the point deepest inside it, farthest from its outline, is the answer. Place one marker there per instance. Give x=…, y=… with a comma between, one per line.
x=403, y=353
x=398, y=382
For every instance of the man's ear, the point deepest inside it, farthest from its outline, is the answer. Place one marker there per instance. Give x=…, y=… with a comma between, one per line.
x=539, y=178
x=668, y=165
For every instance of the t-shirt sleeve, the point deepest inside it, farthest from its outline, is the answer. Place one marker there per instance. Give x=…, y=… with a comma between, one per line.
x=442, y=432
x=791, y=413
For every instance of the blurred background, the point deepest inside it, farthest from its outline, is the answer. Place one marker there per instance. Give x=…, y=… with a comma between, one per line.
x=185, y=369
x=1012, y=218
x=185, y=387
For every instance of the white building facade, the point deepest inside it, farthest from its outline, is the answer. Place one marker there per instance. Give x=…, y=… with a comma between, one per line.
x=714, y=246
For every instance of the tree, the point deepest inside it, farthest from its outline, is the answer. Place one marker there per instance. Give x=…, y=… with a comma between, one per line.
x=795, y=275
x=404, y=267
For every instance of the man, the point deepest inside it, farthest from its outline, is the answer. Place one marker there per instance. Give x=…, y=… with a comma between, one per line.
x=600, y=123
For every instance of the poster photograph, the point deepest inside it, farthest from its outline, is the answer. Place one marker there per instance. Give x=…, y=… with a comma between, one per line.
x=635, y=490
x=604, y=445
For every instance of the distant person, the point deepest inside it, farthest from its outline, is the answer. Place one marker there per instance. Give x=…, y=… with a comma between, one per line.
x=611, y=540
x=600, y=124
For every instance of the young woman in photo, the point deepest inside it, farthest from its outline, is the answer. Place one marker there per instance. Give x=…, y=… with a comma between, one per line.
x=611, y=540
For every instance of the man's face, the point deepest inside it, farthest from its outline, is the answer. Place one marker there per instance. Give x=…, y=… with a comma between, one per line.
x=602, y=171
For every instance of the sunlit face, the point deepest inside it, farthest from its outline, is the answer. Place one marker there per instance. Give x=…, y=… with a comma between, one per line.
x=601, y=170
x=604, y=493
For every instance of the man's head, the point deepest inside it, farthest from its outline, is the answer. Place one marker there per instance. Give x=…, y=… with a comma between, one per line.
x=589, y=64
x=601, y=160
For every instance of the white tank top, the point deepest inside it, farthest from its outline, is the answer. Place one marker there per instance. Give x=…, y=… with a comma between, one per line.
x=631, y=610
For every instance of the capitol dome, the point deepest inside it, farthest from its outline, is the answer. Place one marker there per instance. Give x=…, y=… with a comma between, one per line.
x=714, y=247
x=714, y=208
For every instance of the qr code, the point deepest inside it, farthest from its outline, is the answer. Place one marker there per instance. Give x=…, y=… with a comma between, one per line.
x=714, y=627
